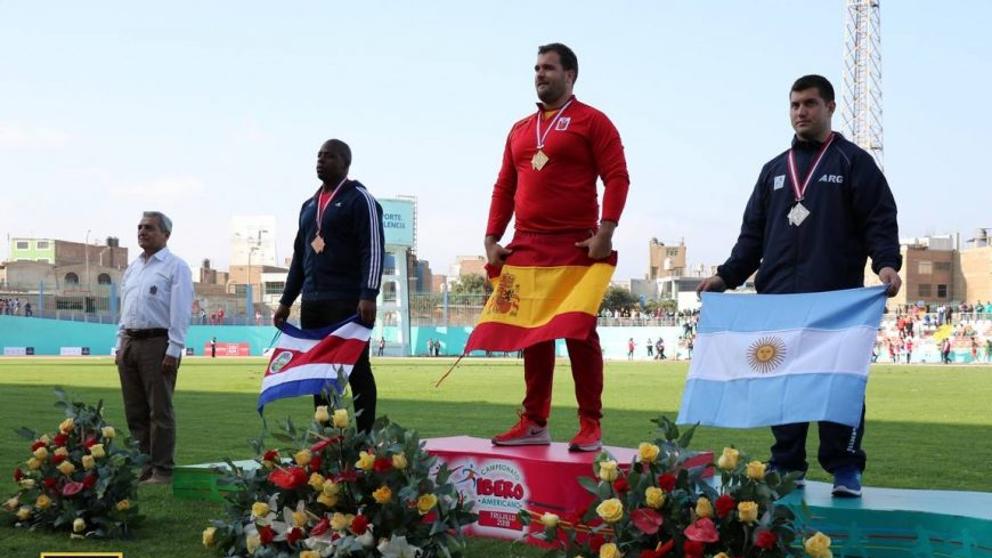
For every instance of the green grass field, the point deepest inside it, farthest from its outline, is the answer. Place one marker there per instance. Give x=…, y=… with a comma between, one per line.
x=928, y=426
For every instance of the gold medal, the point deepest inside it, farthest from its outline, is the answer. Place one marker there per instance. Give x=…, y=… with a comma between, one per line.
x=317, y=244
x=539, y=159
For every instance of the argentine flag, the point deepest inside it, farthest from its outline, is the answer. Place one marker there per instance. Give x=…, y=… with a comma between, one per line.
x=763, y=360
x=308, y=361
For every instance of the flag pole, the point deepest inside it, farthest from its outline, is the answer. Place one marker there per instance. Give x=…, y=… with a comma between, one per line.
x=450, y=370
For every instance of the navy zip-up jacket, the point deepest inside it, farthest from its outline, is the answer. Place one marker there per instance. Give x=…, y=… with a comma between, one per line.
x=350, y=265
x=852, y=216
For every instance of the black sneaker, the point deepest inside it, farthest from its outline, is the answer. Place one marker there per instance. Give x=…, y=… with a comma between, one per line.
x=847, y=483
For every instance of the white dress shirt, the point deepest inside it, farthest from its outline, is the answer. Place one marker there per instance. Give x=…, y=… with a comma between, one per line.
x=157, y=293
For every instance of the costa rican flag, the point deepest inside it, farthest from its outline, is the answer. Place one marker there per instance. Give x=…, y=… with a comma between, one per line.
x=306, y=362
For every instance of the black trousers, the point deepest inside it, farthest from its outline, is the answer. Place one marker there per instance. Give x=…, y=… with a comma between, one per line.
x=322, y=313
x=840, y=446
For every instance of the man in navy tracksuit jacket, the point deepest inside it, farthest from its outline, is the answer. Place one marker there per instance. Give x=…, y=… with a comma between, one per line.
x=809, y=235
x=337, y=264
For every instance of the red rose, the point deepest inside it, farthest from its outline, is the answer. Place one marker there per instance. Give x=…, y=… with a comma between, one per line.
x=621, y=485
x=359, y=525
x=89, y=481
x=765, y=540
x=57, y=458
x=382, y=464
x=50, y=483
x=703, y=530
x=271, y=455
x=320, y=528
x=288, y=479
x=315, y=463
x=646, y=520
x=724, y=505
x=265, y=534
x=346, y=476
x=91, y=441
x=294, y=535
x=60, y=440
x=37, y=444
x=693, y=549
x=667, y=482
x=595, y=542
x=659, y=551
x=18, y=474
x=72, y=488
x=429, y=518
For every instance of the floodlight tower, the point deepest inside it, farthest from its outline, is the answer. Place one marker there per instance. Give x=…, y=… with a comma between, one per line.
x=863, y=76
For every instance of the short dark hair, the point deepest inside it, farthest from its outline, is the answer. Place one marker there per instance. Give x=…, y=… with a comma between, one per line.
x=565, y=54
x=342, y=148
x=821, y=84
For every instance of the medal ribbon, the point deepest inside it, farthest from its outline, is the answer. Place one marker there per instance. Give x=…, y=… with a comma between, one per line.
x=541, y=137
x=800, y=191
x=322, y=207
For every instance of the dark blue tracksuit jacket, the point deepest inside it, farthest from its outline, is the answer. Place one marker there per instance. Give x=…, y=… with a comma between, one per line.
x=852, y=216
x=350, y=266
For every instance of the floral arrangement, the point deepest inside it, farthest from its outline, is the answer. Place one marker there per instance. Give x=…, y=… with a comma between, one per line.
x=79, y=478
x=335, y=491
x=661, y=508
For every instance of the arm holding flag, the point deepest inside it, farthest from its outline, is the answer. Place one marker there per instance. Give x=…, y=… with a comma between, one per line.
x=501, y=208
x=367, y=214
x=746, y=256
x=875, y=208
x=294, y=280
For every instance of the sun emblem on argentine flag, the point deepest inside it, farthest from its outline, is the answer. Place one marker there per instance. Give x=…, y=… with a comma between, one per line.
x=766, y=354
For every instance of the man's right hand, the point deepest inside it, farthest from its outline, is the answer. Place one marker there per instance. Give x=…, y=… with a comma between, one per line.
x=281, y=315
x=495, y=253
x=712, y=284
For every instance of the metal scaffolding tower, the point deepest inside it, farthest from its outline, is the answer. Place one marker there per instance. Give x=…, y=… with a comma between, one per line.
x=863, y=76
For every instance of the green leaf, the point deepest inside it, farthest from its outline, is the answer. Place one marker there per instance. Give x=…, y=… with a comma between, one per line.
x=589, y=484
x=26, y=433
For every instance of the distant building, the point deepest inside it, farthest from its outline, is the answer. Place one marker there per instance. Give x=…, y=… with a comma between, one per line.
x=927, y=270
x=64, y=252
x=468, y=265
x=973, y=269
x=253, y=240
x=666, y=261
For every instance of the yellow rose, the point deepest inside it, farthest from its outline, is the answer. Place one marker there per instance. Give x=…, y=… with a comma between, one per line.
x=399, y=461
x=97, y=451
x=67, y=425
x=649, y=452
x=108, y=432
x=42, y=502
x=608, y=470
x=88, y=462
x=309, y=554
x=756, y=470
x=123, y=505
x=11, y=504
x=549, y=520
x=609, y=550
x=747, y=511
x=326, y=499
x=728, y=461
x=259, y=509
x=610, y=510
x=23, y=513
x=383, y=495
x=654, y=497
x=41, y=453
x=66, y=468
x=78, y=525
x=44, y=439
x=704, y=508
x=34, y=464
x=316, y=481
x=340, y=521
x=331, y=488
x=27, y=483
x=61, y=451
x=252, y=542
x=426, y=503
x=302, y=457
x=818, y=546
x=722, y=555
x=340, y=418
x=321, y=415
x=365, y=461
x=299, y=519
x=208, y=536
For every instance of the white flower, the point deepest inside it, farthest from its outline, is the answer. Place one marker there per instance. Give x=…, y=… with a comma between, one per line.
x=397, y=547
x=366, y=539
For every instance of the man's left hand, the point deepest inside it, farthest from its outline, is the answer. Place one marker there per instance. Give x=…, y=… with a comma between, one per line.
x=366, y=311
x=890, y=278
x=170, y=364
x=600, y=244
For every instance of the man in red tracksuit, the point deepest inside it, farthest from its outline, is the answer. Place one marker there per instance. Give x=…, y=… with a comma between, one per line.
x=548, y=182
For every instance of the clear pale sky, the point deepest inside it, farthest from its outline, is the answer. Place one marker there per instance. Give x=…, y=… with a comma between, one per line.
x=206, y=110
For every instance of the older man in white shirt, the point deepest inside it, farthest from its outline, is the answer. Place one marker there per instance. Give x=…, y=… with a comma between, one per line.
x=157, y=300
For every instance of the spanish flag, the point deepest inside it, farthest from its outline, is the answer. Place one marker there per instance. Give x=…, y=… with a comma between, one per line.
x=547, y=289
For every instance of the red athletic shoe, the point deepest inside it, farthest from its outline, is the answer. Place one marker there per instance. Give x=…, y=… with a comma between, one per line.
x=525, y=433
x=589, y=437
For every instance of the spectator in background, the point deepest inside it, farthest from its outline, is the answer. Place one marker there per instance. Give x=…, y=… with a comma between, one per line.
x=27, y=310
x=650, y=347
